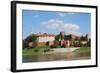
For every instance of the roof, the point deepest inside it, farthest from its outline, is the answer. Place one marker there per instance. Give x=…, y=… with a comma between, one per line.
x=44, y=35
x=73, y=35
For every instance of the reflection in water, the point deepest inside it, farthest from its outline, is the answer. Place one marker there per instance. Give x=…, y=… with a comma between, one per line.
x=52, y=57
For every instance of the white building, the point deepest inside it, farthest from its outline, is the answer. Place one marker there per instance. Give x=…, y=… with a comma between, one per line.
x=44, y=38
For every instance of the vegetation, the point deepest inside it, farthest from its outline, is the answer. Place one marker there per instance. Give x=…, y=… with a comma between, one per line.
x=59, y=42
x=31, y=38
x=84, y=38
x=59, y=36
x=34, y=50
x=77, y=42
x=83, y=51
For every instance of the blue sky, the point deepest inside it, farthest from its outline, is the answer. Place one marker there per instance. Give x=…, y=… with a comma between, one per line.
x=54, y=22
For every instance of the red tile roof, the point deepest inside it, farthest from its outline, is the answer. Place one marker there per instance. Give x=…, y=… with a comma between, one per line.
x=45, y=35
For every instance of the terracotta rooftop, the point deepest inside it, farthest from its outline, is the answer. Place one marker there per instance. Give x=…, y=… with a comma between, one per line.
x=44, y=34
x=74, y=35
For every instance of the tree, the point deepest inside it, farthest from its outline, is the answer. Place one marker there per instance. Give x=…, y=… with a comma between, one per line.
x=25, y=44
x=86, y=37
x=56, y=44
x=67, y=38
x=77, y=39
x=82, y=38
x=57, y=37
x=26, y=41
x=62, y=36
x=89, y=43
x=34, y=37
x=31, y=38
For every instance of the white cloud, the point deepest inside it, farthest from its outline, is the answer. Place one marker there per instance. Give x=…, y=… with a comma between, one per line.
x=52, y=24
x=69, y=26
x=71, y=13
x=67, y=13
x=59, y=25
x=61, y=14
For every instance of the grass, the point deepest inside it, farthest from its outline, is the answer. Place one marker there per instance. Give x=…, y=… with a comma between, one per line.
x=34, y=51
x=83, y=51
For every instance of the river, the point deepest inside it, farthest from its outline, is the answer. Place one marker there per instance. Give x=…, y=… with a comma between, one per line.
x=53, y=57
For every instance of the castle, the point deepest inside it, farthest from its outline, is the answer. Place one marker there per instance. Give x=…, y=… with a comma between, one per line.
x=43, y=39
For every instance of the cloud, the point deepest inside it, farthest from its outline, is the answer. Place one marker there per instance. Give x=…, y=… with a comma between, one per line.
x=61, y=14
x=69, y=26
x=52, y=24
x=59, y=25
x=67, y=13
x=71, y=13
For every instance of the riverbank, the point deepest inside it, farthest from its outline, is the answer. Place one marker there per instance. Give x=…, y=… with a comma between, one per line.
x=57, y=54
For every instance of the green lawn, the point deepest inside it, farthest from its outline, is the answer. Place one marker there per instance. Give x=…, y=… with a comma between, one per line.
x=34, y=51
x=83, y=51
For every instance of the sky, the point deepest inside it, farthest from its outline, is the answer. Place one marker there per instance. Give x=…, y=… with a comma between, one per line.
x=54, y=22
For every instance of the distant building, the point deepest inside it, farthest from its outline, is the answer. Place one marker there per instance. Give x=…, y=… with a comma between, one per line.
x=45, y=39
x=73, y=36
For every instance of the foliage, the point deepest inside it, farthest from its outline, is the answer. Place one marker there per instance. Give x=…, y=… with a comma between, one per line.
x=84, y=38
x=89, y=43
x=56, y=44
x=34, y=51
x=68, y=37
x=31, y=38
x=57, y=37
x=63, y=46
x=25, y=44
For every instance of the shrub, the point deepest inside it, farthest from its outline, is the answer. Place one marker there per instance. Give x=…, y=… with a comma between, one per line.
x=63, y=46
x=36, y=50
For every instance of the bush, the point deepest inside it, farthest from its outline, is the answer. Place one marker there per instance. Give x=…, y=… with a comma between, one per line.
x=36, y=50
x=63, y=46
x=55, y=46
x=46, y=50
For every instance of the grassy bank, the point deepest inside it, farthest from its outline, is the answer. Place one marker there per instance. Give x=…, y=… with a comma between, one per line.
x=34, y=51
x=83, y=51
